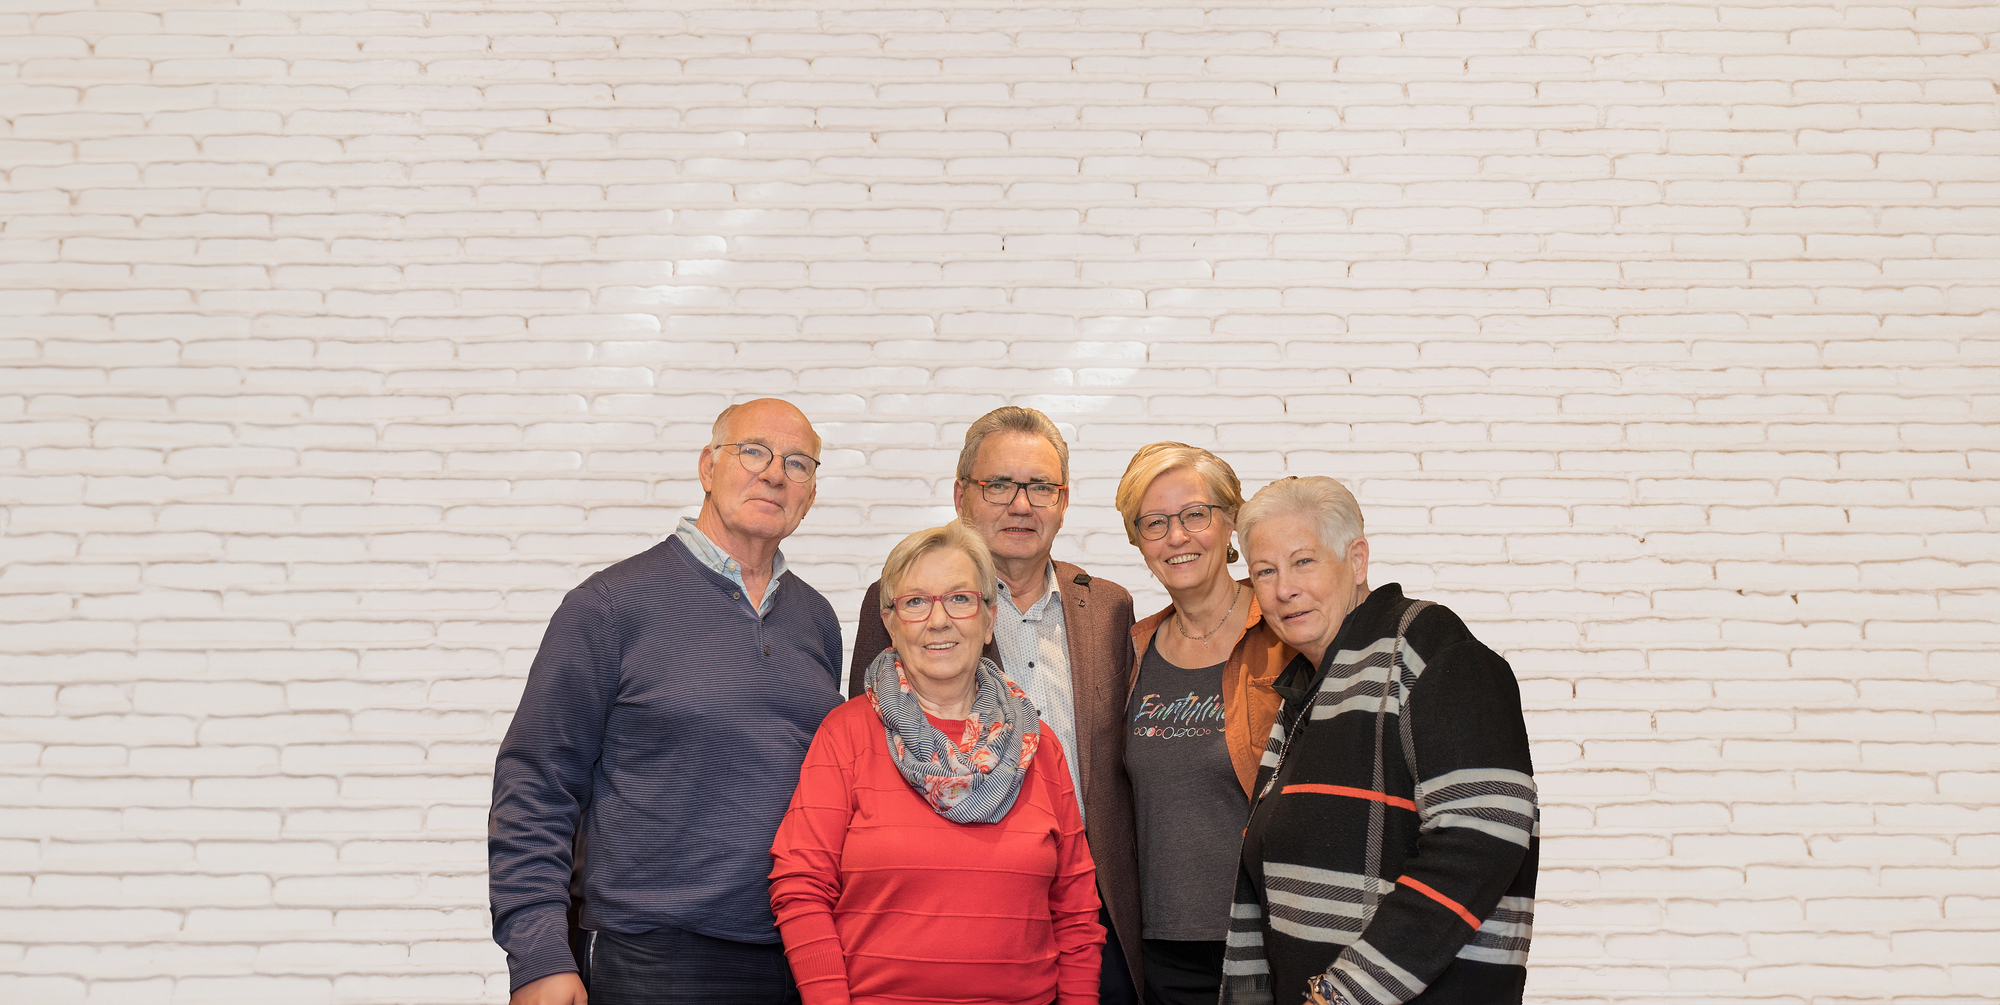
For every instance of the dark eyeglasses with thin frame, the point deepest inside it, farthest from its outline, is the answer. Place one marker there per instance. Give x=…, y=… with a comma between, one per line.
x=1194, y=519
x=755, y=457
x=1003, y=491
x=958, y=605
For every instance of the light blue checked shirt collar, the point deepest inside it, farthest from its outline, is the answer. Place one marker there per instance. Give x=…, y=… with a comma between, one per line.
x=705, y=551
x=1034, y=648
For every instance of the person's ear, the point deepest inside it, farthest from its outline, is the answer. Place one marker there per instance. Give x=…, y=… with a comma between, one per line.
x=1357, y=557
x=958, y=496
x=705, y=469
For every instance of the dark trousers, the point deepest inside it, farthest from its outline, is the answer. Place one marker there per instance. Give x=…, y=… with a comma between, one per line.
x=672, y=967
x=1114, y=978
x=1182, y=973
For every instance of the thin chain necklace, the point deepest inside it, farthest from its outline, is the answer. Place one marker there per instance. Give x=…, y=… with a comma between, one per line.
x=1181, y=622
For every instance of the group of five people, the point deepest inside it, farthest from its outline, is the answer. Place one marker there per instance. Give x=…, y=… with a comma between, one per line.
x=1289, y=788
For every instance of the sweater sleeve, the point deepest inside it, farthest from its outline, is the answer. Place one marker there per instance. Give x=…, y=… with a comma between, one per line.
x=870, y=638
x=1475, y=795
x=542, y=780
x=1073, y=903
x=805, y=864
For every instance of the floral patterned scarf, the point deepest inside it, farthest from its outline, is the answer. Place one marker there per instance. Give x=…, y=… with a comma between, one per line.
x=970, y=779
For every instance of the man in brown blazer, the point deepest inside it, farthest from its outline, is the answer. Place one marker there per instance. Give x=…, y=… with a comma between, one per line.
x=1063, y=635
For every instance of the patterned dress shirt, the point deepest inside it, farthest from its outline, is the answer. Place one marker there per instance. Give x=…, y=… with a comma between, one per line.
x=1035, y=650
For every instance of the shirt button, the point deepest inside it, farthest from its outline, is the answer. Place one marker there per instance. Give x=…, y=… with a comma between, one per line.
x=767, y=650
x=738, y=595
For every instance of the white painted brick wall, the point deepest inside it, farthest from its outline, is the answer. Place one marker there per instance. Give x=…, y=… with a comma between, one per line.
x=342, y=336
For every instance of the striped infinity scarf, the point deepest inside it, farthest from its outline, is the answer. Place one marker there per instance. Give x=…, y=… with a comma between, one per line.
x=974, y=778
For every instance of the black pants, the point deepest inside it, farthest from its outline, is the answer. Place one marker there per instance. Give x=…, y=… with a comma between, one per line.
x=1182, y=973
x=672, y=967
x=1114, y=978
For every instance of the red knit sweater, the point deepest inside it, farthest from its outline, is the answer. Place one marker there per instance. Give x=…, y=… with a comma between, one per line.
x=884, y=902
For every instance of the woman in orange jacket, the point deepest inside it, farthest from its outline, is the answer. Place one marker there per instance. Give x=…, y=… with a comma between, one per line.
x=1199, y=712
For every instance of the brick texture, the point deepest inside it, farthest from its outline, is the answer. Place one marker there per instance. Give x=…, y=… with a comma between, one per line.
x=1661, y=340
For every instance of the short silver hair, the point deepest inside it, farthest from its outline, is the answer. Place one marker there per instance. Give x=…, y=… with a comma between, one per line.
x=1010, y=419
x=1325, y=503
x=954, y=535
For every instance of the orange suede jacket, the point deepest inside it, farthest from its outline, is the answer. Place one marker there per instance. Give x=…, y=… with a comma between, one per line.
x=1249, y=706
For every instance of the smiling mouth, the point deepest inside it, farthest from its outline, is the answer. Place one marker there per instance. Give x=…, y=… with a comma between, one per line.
x=1182, y=559
x=940, y=646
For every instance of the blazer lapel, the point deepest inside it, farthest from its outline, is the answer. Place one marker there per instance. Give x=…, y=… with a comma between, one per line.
x=1085, y=675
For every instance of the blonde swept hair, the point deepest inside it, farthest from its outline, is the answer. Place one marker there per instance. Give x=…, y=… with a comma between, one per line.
x=953, y=535
x=1156, y=459
x=1325, y=503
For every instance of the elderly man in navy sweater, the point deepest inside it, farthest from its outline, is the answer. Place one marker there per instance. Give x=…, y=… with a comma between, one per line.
x=661, y=733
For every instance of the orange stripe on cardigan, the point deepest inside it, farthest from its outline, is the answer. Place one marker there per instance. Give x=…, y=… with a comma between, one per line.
x=1342, y=790
x=1440, y=898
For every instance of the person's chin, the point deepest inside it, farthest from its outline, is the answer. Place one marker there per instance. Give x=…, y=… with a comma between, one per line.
x=760, y=521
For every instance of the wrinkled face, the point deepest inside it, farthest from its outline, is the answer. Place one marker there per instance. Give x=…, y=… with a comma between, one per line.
x=763, y=505
x=940, y=649
x=1182, y=560
x=1305, y=589
x=1015, y=531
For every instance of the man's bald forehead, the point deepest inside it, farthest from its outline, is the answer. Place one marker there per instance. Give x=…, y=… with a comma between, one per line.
x=732, y=420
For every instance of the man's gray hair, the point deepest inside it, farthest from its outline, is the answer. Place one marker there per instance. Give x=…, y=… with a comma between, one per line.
x=720, y=431
x=1011, y=419
x=1323, y=502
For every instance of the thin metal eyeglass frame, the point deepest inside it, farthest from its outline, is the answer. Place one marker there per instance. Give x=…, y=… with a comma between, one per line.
x=1167, y=525
x=743, y=458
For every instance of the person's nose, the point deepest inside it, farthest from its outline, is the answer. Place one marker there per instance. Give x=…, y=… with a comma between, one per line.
x=1019, y=506
x=937, y=618
x=774, y=473
x=1177, y=532
x=1281, y=586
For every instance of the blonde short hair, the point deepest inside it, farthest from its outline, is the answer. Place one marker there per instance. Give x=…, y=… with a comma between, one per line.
x=1324, y=502
x=1156, y=459
x=1011, y=419
x=953, y=535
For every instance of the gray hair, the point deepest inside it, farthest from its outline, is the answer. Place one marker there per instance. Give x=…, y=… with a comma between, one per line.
x=954, y=535
x=1326, y=503
x=1011, y=419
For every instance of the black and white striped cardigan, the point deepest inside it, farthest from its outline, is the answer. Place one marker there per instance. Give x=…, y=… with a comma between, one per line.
x=1394, y=841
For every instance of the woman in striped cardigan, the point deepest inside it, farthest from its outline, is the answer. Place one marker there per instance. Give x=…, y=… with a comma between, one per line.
x=1390, y=855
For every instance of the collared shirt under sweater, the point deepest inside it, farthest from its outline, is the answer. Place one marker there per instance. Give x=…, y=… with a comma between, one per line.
x=668, y=721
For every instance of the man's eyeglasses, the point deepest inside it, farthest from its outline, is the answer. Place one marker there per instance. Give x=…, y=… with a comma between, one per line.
x=1002, y=491
x=917, y=606
x=1194, y=519
x=756, y=457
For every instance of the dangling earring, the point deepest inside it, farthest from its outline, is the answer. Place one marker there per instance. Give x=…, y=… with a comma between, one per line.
x=1233, y=556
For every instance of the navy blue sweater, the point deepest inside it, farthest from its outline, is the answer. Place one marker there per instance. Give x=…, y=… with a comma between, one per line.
x=672, y=720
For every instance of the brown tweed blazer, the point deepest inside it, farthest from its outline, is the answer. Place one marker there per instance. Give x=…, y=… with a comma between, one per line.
x=1097, y=619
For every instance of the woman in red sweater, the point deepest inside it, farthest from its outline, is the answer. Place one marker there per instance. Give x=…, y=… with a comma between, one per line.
x=933, y=851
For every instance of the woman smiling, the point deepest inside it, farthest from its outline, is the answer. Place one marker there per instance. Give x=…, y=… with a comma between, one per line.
x=934, y=850
x=1199, y=711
